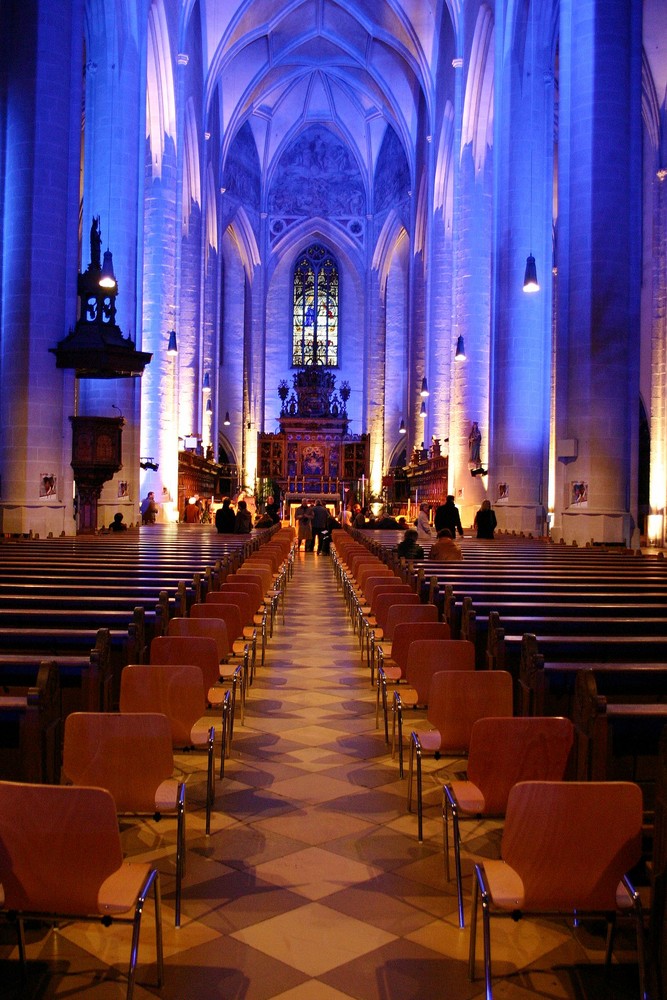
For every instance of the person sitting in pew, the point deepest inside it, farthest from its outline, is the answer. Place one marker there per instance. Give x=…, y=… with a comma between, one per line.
x=409, y=547
x=445, y=548
x=117, y=523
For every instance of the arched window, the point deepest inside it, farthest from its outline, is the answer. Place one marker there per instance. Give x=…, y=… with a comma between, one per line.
x=315, y=309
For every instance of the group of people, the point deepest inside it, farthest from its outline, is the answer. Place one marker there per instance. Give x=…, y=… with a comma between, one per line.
x=446, y=525
x=239, y=522
x=314, y=524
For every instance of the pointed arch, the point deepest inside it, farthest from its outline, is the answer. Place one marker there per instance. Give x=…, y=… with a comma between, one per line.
x=191, y=172
x=241, y=231
x=392, y=235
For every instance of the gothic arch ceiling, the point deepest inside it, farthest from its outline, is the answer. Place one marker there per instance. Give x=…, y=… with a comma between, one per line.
x=355, y=65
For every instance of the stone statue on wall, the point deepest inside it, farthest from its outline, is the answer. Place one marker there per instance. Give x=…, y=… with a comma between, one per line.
x=95, y=244
x=474, y=442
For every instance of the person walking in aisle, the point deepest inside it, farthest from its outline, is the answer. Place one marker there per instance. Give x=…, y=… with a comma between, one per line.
x=447, y=516
x=485, y=520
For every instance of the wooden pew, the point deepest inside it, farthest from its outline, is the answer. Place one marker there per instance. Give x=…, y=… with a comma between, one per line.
x=616, y=741
x=30, y=727
x=547, y=687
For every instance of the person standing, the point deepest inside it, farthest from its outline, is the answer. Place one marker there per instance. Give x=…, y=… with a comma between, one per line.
x=320, y=518
x=303, y=516
x=358, y=517
x=423, y=523
x=485, y=520
x=148, y=509
x=225, y=518
x=447, y=516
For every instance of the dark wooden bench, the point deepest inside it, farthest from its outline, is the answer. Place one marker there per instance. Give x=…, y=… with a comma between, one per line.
x=30, y=726
x=616, y=741
x=546, y=687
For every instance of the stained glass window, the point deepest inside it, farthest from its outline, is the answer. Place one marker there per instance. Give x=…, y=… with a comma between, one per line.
x=315, y=309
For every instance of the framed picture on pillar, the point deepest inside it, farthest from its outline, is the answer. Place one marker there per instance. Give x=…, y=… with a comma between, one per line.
x=48, y=485
x=579, y=494
x=503, y=491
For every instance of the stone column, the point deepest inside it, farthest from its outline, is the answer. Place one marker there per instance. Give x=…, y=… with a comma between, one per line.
x=41, y=95
x=597, y=392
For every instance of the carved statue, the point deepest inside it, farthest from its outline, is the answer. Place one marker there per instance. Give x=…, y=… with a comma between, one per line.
x=95, y=243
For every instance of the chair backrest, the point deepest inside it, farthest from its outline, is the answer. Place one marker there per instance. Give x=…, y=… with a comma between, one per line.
x=408, y=632
x=399, y=613
x=199, y=650
x=58, y=843
x=223, y=611
x=379, y=579
x=426, y=657
x=252, y=589
x=238, y=598
x=384, y=602
x=369, y=567
x=262, y=576
x=176, y=691
x=129, y=755
x=458, y=698
x=571, y=842
x=504, y=751
x=208, y=628
x=391, y=585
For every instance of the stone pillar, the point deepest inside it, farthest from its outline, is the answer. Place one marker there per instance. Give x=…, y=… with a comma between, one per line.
x=40, y=57
x=658, y=417
x=597, y=392
x=521, y=373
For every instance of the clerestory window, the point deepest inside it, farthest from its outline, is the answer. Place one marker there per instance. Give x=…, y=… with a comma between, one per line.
x=315, y=309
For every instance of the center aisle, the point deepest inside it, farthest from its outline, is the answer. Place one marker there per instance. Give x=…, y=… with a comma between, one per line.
x=327, y=893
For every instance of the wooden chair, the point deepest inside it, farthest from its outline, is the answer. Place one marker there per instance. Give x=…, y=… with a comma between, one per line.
x=567, y=847
x=398, y=614
x=456, y=700
x=246, y=596
x=131, y=755
x=218, y=629
x=61, y=857
x=241, y=628
x=374, y=628
x=502, y=752
x=177, y=691
x=203, y=652
x=393, y=669
x=428, y=657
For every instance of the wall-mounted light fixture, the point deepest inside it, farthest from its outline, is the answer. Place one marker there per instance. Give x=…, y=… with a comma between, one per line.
x=172, y=347
x=460, y=354
x=530, y=282
x=422, y=411
x=206, y=384
x=424, y=388
x=226, y=421
x=402, y=428
x=209, y=406
x=107, y=276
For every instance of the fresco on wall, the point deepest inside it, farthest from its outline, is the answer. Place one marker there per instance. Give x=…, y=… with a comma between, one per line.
x=317, y=176
x=392, y=174
x=242, y=172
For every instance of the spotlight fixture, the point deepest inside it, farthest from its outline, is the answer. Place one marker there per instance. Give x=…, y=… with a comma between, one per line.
x=530, y=282
x=422, y=411
x=479, y=471
x=424, y=388
x=209, y=406
x=107, y=277
x=172, y=347
x=206, y=384
x=227, y=421
x=460, y=354
x=402, y=428
x=149, y=463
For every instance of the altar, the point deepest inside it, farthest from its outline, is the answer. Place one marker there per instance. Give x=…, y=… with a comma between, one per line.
x=314, y=453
